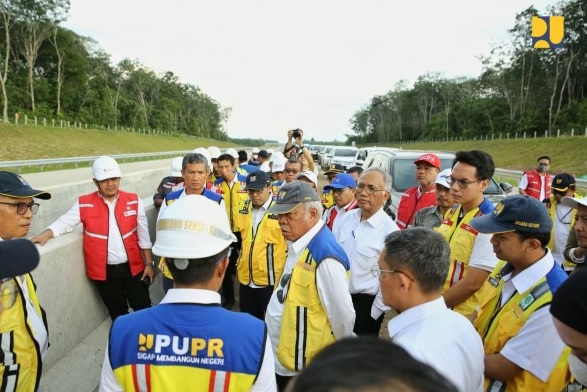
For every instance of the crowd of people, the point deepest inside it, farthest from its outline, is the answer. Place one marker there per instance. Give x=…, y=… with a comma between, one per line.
x=480, y=294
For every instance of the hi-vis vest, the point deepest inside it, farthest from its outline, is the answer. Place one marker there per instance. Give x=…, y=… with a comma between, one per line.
x=233, y=197
x=187, y=347
x=94, y=216
x=20, y=353
x=461, y=238
x=410, y=203
x=535, y=184
x=567, y=265
x=327, y=198
x=275, y=185
x=169, y=199
x=305, y=329
x=497, y=326
x=262, y=256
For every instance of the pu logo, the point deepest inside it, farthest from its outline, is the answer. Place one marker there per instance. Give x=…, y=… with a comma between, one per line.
x=498, y=209
x=548, y=32
x=145, y=342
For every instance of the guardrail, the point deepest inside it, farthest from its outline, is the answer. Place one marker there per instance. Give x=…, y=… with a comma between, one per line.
x=77, y=160
x=517, y=174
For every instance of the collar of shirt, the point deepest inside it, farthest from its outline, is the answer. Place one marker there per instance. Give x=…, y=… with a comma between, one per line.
x=196, y=296
x=376, y=219
x=265, y=205
x=529, y=276
x=113, y=202
x=417, y=313
x=304, y=240
x=350, y=206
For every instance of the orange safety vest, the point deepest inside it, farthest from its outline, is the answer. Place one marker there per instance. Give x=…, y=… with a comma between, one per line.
x=94, y=217
x=535, y=184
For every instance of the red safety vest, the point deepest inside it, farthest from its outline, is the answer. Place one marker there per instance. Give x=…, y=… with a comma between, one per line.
x=410, y=203
x=535, y=184
x=94, y=217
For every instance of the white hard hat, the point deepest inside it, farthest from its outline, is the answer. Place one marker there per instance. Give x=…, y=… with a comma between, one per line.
x=310, y=175
x=214, y=152
x=276, y=156
x=206, y=154
x=233, y=152
x=270, y=151
x=255, y=150
x=176, y=166
x=105, y=168
x=278, y=164
x=443, y=177
x=193, y=227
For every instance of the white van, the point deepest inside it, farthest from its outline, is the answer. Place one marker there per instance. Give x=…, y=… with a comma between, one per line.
x=344, y=156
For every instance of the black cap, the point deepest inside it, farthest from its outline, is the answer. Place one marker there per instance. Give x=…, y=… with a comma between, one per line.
x=562, y=181
x=13, y=185
x=17, y=257
x=291, y=195
x=257, y=180
x=335, y=168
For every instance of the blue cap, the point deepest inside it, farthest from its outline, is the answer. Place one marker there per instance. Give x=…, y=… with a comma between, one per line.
x=515, y=213
x=342, y=180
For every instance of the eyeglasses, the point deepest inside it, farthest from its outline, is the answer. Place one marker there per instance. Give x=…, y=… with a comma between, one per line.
x=282, y=283
x=463, y=183
x=293, y=171
x=368, y=189
x=377, y=272
x=338, y=191
x=8, y=293
x=22, y=208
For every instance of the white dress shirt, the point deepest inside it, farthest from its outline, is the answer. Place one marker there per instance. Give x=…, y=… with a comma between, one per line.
x=265, y=380
x=537, y=347
x=257, y=215
x=333, y=290
x=443, y=339
x=116, y=250
x=363, y=242
x=561, y=221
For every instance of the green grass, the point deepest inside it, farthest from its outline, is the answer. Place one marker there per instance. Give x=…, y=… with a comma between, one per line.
x=567, y=154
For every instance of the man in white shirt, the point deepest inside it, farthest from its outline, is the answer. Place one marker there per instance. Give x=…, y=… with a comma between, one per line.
x=311, y=306
x=361, y=235
x=116, y=241
x=24, y=334
x=189, y=342
x=411, y=281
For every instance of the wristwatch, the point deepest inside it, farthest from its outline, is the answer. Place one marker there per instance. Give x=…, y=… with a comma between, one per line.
x=574, y=258
x=150, y=263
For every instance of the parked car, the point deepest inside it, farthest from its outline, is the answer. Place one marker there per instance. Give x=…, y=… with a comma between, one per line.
x=326, y=156
x=343, y=156
x=400, y=166
x=315, y=149
x=363, y=153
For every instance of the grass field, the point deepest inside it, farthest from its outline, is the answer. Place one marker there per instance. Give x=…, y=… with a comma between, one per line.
x=32, y=142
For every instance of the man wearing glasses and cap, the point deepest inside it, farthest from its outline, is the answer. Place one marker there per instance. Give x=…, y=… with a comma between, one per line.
x=23, y=326
x=263, y=250
x=311, y=306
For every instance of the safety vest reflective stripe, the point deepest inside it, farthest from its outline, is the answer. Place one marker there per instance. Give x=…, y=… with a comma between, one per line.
x=89, y=205
x=219, y=381
x=129, y=233
x=10, y=378
x=95, y=235
x=301, y=327
x=269, y=260
x=141, y=377
x=496, y=386
x=457, y=272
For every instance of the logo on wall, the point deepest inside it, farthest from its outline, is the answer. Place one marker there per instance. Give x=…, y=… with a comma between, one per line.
x=548, y=32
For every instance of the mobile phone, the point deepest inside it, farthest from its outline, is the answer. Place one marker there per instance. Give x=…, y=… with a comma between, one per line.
x=147, y=280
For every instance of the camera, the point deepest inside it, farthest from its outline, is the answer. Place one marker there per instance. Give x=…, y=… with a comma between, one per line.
x=296, y=133
x=147, y=280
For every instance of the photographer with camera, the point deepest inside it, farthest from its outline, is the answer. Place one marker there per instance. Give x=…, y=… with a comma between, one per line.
x=303, y=154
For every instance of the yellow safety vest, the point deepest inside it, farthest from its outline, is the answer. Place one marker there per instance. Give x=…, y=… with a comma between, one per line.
x=233, y=197
x=22, y=363
x=552, y=211
x=305, y=329
x=461, y=238
x=327, y=199
x=262, y=256
x=498, y=326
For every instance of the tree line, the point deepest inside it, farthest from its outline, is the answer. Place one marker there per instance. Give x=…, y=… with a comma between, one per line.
x=49, y=71
x=520, y=89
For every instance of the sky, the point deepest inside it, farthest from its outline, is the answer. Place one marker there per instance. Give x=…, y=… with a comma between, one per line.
x=308, y=64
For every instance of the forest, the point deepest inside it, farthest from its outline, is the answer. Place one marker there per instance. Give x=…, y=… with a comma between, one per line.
x=48, y=71
x=520, y=89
